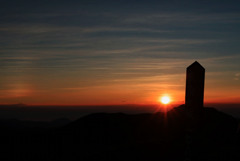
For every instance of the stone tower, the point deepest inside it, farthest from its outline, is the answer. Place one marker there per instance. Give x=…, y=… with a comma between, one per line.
x=195, y=87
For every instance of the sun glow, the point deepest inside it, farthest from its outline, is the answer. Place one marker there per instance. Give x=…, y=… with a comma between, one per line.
x=165, y=100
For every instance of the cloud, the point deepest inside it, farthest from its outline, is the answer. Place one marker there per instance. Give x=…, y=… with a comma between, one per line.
x=79, y=45
x=237, y=76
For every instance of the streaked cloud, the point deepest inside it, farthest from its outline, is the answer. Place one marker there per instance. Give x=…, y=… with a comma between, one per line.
x=144, y=46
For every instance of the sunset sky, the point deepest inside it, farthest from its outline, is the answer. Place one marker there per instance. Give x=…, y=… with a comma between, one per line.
x=91, y=52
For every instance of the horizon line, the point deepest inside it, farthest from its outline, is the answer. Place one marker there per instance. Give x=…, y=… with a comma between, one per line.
x=129, y=104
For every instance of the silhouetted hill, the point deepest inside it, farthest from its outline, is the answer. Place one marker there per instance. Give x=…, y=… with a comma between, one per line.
x=117, y=136
x=19, y=124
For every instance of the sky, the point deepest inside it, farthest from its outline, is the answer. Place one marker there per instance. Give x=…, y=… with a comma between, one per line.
x=91, y=52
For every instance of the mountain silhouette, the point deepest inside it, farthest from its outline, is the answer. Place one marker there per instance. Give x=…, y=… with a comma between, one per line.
x=117, y=136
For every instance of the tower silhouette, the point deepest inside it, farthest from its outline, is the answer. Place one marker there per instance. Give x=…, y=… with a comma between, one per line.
x=195, y=87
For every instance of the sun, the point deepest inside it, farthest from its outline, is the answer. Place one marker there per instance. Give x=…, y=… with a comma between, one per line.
x=165, y=100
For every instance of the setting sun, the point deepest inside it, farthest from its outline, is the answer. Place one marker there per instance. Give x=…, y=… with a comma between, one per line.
x=165, y=100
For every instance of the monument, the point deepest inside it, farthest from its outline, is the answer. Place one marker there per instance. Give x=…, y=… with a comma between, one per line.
x=195, y=87
x=195, y=76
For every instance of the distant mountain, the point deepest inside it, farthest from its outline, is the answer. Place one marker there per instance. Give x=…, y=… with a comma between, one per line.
x=19, y=124
x=176, y=135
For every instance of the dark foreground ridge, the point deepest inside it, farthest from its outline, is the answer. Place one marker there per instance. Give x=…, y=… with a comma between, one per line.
x=122, y=137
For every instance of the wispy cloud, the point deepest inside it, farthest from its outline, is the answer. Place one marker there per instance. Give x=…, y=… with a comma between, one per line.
x=81, y=45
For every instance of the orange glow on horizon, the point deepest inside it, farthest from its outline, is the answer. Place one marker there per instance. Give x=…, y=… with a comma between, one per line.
x=109, y=94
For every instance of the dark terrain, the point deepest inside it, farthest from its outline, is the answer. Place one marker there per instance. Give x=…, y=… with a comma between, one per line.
x=175, y=136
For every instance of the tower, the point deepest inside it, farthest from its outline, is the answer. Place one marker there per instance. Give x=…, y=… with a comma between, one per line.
x=195, y=87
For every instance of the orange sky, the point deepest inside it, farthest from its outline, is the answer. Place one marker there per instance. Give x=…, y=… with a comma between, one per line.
x=140, y=89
